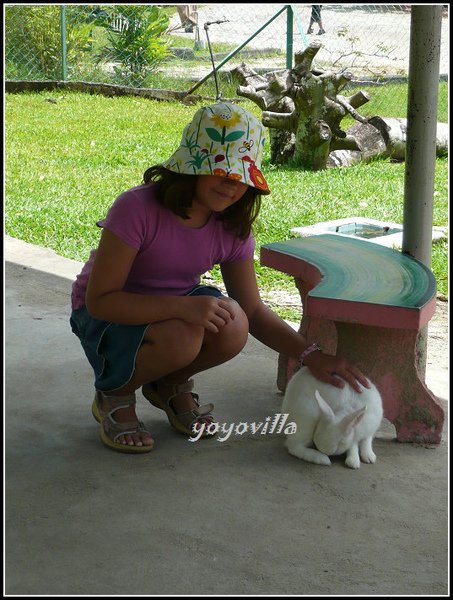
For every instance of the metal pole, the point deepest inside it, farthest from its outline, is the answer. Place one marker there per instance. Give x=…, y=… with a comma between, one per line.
x=63, y=41
x=423, y=90
x=218, y=92
x=235, y=51
x=289, y=37
x=301, y=28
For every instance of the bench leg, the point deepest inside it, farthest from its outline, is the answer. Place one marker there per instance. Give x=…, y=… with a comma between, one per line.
x=321, y=331
x=389, y=358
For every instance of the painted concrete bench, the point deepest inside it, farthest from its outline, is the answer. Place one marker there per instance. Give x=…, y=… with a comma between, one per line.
x=368, y=303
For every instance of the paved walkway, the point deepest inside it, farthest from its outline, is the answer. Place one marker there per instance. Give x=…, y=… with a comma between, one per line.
x=239, y=517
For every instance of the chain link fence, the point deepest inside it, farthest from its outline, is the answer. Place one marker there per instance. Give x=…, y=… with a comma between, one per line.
x=148, y=46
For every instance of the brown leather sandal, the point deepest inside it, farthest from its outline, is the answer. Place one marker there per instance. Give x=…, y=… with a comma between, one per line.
x=183, y=422
x=103, y=408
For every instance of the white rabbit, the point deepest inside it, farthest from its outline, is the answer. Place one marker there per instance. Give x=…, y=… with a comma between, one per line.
x=340, y=420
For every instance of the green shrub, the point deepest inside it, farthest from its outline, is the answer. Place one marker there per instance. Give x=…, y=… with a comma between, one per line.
x=136, y=44
x=33, y=41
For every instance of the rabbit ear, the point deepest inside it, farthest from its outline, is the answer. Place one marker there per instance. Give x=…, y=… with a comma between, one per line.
x=353, y=419
x=324, y=407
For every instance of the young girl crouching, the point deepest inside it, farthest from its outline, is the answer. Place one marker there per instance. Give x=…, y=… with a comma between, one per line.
x=144, y=320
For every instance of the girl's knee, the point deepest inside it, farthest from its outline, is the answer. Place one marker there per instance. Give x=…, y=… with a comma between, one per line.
x=232, y=338
x=186, y=338
x=182, y=341
x=241, y=324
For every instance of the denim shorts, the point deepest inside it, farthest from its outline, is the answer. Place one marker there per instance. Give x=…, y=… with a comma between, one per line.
x=112, y=348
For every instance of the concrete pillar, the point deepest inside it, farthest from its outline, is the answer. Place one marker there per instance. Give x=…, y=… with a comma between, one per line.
x=423, y=92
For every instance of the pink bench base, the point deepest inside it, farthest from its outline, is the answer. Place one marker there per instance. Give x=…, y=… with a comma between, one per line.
x=381, y=339
x=389, y=358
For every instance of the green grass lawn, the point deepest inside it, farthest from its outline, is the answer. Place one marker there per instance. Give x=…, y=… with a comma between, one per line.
x=67, y=161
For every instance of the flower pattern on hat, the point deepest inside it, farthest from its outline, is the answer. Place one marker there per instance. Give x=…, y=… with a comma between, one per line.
x=224, y=140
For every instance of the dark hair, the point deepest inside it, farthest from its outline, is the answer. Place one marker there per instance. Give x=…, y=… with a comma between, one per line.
x=175, y=191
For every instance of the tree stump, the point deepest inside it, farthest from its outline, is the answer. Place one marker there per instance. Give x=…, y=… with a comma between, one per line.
x=303, y=109
x=393, y=131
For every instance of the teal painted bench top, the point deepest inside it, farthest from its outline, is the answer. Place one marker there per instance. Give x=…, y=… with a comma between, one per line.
x=358, y=281
x=367, y=302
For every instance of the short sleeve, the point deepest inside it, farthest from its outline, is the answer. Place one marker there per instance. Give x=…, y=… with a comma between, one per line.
x=241, y=250
x=128, y=218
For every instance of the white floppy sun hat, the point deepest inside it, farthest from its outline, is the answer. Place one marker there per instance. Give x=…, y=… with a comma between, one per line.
x=222, y=139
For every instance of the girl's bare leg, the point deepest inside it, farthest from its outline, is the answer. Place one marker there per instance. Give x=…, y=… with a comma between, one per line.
x=172, y=352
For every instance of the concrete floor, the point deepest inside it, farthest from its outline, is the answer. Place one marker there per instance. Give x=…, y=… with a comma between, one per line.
x=211, y=518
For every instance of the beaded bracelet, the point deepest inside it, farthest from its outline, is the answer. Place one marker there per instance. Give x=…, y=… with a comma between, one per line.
x=308, y=351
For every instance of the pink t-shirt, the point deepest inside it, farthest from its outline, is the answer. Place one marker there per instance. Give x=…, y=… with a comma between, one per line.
x=171, y=257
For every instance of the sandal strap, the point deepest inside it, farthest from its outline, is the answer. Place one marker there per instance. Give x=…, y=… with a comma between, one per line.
x=107, y=404
x=188, y=418
x=114, y=429
x=181, y=388
x=203, y=410
x=186, y=388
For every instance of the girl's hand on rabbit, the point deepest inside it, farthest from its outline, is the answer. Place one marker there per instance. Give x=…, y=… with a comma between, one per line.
x=208, y=311
x=330, y=368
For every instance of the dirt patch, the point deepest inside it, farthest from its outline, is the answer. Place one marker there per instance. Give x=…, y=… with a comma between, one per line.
x=438, y=336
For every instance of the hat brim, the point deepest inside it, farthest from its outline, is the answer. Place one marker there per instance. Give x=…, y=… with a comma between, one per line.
x=224, y=140
x=256, y=178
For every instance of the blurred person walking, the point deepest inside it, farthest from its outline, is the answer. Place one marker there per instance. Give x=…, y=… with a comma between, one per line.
x=188, y=16
x=315, y=17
